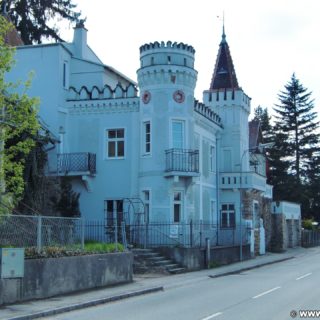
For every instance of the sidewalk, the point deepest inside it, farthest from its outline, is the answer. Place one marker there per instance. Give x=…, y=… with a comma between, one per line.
x=141, y=285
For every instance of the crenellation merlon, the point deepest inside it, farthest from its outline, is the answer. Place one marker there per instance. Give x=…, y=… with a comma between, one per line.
x=207, y=112
x=226, y=96
x=167, y=45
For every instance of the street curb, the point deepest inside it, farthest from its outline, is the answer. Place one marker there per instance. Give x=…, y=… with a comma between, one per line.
x=248, y=268
x=87, y=304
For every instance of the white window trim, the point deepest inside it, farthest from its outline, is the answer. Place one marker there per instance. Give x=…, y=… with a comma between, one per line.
x=185, y=130
x=150, y=199
x=235, y=217
x=143, y=138
x=182, y=205
x=106, y=139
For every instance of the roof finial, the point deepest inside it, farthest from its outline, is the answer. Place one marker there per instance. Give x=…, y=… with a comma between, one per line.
x=223, y=32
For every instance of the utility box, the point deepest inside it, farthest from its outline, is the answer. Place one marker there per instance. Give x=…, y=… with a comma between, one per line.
x=11, y=263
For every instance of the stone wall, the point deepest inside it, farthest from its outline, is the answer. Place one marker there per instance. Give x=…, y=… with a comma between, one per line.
x=265, y=214
x=195, y=258
x=45, y=278
x=279, y=235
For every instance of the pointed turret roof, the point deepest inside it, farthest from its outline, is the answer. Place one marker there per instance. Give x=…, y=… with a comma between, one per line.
x=12, y=37
x=224, y=75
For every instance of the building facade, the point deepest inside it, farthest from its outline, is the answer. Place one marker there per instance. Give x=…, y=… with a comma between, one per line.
x=159, y=156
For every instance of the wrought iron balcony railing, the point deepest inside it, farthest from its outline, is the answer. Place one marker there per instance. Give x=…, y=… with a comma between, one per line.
x=76, y=163
x=182, y=161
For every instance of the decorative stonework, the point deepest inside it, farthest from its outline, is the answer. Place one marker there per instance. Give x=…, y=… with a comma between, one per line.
x=103, y=106
x=179, y=96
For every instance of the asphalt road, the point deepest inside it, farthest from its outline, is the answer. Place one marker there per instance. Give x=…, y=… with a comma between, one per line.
x=272, y=292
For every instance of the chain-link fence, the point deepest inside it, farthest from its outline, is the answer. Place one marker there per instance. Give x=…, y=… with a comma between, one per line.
x=41, y=231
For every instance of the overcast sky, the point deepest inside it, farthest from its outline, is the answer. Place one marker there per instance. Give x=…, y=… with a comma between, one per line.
x=269, y=40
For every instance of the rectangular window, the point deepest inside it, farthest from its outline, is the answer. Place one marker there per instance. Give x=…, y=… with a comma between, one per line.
x=228, y=216
x=177, y=206
x=147, y=137
x=113, y=212
x=146, y=201
x=115, y=143
x=177, y=134
x=212, y=159
x=65, y=75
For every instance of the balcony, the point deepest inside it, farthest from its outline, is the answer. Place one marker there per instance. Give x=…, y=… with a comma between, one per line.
x=76, y=164
x=182, y=162
x=243, y=180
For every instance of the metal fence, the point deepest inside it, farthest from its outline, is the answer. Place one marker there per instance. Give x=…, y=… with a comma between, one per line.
x=41, y=231
x=148, y=235
x=71, y=233
x=310, y=238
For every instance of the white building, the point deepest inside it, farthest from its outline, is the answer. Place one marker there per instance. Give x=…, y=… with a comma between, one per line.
x=160, y=156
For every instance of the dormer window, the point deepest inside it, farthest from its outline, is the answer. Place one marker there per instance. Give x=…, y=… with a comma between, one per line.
x=222, y=71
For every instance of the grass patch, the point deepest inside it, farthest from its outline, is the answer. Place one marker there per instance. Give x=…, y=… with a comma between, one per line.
x=90, y=247
x=94, y=247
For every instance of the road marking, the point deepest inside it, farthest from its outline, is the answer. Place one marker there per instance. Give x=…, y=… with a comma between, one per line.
x=266, y=292
x=213, y=316
x=304, y=276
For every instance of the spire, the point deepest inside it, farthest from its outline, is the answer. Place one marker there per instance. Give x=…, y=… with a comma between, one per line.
x=223, y=40
x=224, y=75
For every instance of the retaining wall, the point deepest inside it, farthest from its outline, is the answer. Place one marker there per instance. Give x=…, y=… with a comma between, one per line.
x=45, y=278
x=195, y=258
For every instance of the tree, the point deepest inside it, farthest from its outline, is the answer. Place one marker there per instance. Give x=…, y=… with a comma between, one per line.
x=35, y=19
x=296, y=119
x=18, y=126
x=296, y=142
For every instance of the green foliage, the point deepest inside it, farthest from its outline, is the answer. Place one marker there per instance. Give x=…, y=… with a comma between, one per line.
x=296, y=119
x=294, y=159
x=91, y=247
x=214, y=264
x=36, y=19
x=308, y=224
x=66, y=202
x=96, y=247
x=19, y=125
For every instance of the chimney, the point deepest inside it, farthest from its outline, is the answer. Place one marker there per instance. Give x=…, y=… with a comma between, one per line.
x=80, y=39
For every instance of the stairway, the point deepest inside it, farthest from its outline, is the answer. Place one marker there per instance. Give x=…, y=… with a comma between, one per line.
x=150, y=261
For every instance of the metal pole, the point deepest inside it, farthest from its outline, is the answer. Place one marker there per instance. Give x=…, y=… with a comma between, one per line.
x=82, y=233
x=39, y=232
x=191, y=232
x=208, y=252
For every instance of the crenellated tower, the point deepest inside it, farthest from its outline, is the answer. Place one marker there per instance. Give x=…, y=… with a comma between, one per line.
x=227, y=99
x=166, y=81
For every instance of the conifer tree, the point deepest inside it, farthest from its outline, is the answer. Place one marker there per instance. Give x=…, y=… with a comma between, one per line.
x=296, y=143
x=262, y=115
x=36, y=19
x=295, y=117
